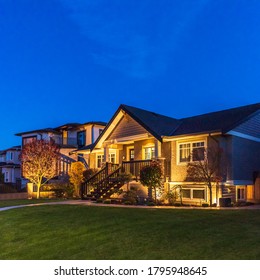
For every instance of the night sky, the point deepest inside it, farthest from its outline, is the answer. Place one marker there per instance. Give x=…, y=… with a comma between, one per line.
x=77, y=60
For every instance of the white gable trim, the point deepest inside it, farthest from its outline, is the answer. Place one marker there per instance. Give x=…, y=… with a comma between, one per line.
x=239, y=182
x=242, y=135
x=109, y=129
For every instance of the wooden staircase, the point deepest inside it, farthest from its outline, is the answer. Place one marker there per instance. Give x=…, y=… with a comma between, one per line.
x=104, y=183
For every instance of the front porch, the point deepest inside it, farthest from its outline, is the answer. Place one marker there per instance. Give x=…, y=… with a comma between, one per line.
x=111, y=177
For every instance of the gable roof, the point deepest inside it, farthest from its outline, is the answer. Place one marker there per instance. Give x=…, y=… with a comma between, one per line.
x=163, y=126
x=158, y=125
x=221, y=121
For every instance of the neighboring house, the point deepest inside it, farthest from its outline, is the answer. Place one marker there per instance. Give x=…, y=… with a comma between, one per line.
x=10, y=165
x=134, y=137
x=69, y=137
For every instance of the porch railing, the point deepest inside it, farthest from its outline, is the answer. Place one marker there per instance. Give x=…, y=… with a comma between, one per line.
x=135, y=166
x=98, y=177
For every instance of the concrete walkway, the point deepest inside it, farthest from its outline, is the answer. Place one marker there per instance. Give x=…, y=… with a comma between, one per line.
x=91, y=203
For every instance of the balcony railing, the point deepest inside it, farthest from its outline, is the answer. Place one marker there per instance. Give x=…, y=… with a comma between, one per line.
x=135, y=166
x=69, y=141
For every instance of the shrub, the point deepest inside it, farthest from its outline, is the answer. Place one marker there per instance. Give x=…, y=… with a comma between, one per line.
x=60, y=189
x=131, y=196
x=99, y=200
x=177, y=204
x=151, y=176
x=151, y=203
x=127, y=202
x=69, y=190
x=171, y=196
x=107, y=201
x=125, y=177
x=89, y=173
x=205, y=205
x=59, y=193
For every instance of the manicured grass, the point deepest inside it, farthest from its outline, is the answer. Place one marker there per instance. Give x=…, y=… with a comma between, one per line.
x=81, y=232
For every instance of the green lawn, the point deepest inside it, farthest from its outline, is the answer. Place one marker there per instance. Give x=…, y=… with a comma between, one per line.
x=82, y=232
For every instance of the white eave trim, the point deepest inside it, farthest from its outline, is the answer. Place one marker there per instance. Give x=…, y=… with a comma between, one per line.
x=242, y=135
x=190, y=136
x=128, y=138
x=239, y=182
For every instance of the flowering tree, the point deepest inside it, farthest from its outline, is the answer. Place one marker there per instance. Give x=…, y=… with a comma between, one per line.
x=39, y=159
x=151, y=176
x=76, y=175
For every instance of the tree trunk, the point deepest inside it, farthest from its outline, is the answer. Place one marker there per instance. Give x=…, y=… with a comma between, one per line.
x=38, y=191
x=155, y=198
x=150, y=193
x=210, y=194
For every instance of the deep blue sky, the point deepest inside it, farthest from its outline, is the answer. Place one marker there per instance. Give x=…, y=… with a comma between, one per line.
x=78, y=60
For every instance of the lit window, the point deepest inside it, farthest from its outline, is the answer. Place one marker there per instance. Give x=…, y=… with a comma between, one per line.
x=112, y=158
x=186, y=193
x=65, y=137
x=193, y=151
x=149, y=153
x=199, y=194
x=100, y=160
x=193, y=193
x=184, y=152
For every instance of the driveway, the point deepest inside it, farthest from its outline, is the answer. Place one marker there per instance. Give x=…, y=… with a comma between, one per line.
x=91, y=203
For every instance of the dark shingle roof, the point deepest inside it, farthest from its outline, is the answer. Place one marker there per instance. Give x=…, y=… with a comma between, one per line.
x=38, y=131
x=222, y=121
x=57, y=130
x=156, y=124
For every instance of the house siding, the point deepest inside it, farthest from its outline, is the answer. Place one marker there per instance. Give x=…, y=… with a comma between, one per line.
x=256, y=191
x=166, y=155
x=139, y=145
x=178, y=172
x=250, y=127
x=245, y=158
x=126, y=127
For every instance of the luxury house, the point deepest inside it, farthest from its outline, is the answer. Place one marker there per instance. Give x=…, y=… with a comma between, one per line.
x=69, y=137
x=10, y=165
x=134, y=137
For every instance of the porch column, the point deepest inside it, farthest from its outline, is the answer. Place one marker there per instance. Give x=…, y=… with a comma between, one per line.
x=106, y=154
x=158, y=149
x=158, y=155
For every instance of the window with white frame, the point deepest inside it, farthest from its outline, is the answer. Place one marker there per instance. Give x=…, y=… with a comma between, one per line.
x=149, y=152
x=101, y=158
x=112, y=158
x=191, y=151
x=193, y=193
x=9, y=156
